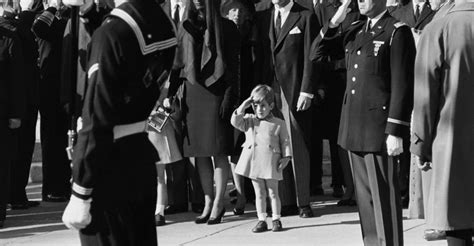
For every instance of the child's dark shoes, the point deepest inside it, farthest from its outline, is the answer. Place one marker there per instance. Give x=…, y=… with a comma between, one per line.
x=277, y=226
x=260, y=227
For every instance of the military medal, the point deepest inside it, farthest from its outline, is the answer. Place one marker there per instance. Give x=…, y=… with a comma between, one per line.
x=377, y=45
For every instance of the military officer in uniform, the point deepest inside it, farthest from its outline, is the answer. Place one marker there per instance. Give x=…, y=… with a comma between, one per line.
x=376, y=110
x=114, y=176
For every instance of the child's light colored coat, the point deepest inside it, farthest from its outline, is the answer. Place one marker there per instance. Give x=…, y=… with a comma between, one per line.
x=266, y=142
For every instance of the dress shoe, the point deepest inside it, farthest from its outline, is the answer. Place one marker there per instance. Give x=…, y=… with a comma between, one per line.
x=306, y=212
x=239, y=211
x=260, y=227
x=433, y=235
x=405, y=201
x=174, y=209
x=289, y=210
x=346, y=202
x=216, y=220
x=277, y=226
x=160, y=220
x=202, y=219
x=197, y=207
x=317, y=191
x=24, y=205
x=55, y=198
x=337, y=192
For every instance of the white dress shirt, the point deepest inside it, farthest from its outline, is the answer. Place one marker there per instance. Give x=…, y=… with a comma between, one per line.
x=182, y=6
x=284, y=12
x=419, y=4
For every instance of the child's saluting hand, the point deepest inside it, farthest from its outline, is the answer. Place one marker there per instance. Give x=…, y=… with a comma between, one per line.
x=245, y=105
x=283, y=162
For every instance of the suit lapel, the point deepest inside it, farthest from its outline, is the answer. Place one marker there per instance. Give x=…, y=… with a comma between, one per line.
x=167, y=7
x=290, y=22
x=271, y=32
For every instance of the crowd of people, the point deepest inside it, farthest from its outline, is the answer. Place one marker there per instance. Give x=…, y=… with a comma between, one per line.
x=174, y=95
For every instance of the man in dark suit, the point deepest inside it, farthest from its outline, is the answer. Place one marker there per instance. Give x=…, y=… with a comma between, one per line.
x=377, y=104
x=287, y=30
x=182, y=176
x=12, y=99
x=416, y=13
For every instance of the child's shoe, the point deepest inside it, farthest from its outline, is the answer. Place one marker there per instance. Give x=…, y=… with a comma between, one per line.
x=277, y=226
x=260, y=227
x=160, y=220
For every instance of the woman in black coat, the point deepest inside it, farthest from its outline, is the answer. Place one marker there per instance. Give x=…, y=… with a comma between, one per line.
x=207, y=64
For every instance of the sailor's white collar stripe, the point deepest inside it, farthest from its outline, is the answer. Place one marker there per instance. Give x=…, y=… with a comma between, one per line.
x=92, y=70
x=146, y=49
x=395, y=121
x=81, y=190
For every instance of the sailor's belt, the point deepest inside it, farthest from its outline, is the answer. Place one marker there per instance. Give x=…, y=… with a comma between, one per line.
x=121, y=131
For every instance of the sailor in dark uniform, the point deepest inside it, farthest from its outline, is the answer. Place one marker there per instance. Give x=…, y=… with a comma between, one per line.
x=376, y=110
x=114, y=176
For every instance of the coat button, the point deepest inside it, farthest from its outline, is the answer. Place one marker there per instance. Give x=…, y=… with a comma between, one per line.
x=384, y=107
x=353, y=79
x=358, y=52
x=356, y=66
x=353, y=92
x=149, y=36
x=347, y=50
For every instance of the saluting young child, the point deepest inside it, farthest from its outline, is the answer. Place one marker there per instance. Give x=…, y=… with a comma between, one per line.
x=266, y=152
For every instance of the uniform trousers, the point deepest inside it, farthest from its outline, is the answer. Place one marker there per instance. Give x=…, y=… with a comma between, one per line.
x=54, y=140
x=124, y=197
x=378, y=197
x=20, y=172
x=8, y=145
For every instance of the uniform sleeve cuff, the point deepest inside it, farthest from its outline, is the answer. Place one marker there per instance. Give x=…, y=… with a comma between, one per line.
x=309, y=95
x=81, y=192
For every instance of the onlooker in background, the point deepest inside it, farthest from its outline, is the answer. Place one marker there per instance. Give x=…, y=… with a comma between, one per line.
x=208, y=67
x=49, y=28
x=12, y=99
x=20, y=172
x=333, y=76
x=379, y=53
x=182, y=178
x=241, y=12
x=443, y=135
x=267, y=151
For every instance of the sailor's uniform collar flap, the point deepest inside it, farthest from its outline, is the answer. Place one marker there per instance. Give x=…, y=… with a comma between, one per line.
x=150, y=38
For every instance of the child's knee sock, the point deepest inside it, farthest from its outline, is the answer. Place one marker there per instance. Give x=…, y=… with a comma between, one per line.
x=262, y=216
x=276, y=216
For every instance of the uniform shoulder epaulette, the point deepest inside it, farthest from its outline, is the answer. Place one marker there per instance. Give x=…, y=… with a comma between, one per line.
x=355, y=22
x=399, y=24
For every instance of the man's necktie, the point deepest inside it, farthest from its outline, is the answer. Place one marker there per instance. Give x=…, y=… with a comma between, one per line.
x=369, y=24
x=278, y=24
x=417, y=12
x=176, y=18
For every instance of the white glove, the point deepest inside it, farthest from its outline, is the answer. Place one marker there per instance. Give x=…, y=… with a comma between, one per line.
x=340, y=14
x=304, y=102
x=77, y=213
x=394, y=145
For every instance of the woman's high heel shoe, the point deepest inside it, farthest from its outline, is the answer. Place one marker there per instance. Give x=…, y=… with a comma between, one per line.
x=202, y=219
x=217, y=220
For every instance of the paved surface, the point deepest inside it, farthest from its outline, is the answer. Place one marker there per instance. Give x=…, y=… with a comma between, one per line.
x=331, y=225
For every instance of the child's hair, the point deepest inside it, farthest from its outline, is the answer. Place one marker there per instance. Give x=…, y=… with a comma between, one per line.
x=263, y=93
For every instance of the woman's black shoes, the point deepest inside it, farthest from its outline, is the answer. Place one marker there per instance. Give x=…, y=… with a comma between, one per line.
x=202, y=219
x=346, y=202
x=217, y=220
x=239, y=211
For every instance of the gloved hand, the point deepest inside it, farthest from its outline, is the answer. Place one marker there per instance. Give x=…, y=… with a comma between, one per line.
x=394, y=145
x=77, y=213
x=340, y=14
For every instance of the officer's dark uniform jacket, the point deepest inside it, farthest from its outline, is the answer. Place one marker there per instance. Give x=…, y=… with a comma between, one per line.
x=129, y=57
x=379, y=92
x=12, y=94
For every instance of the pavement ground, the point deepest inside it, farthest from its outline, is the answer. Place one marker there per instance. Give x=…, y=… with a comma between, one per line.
x=331, y=226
